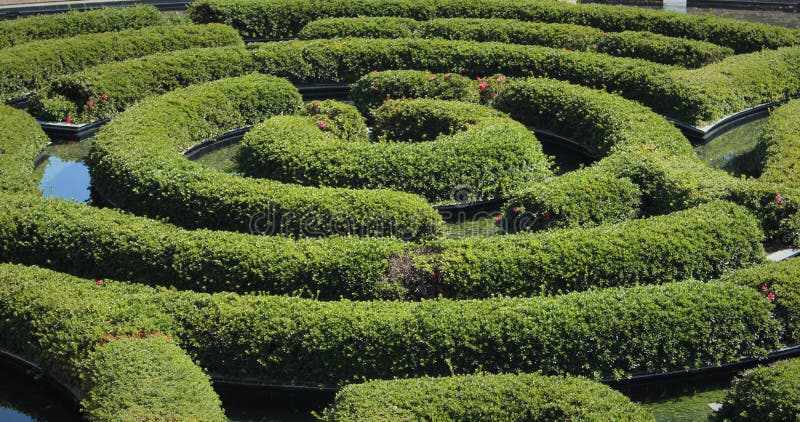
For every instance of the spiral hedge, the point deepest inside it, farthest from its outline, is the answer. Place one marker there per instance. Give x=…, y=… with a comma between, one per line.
x=646, y=261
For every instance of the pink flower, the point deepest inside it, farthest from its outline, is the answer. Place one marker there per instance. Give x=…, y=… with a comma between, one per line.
x=318, y=104
x=103, y=96
x=515, y=209
x=763, y=287
x=90, y=104
x=321, y=124
x=99, y=282
x=501, y=78
x=69, y=142
x=482, y=86
x=68, y=119
x=778, y=198
x=545, y=218
x=430, y=78
x=771, y=297
x=374, y=72
x=447, y=77
x=375, y=88
x=499, y=218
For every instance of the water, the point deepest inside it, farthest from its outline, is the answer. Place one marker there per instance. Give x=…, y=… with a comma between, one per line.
x=64, y=174
x=733, y=151
x=785, y=18
x=689, y=407
x=25, y=398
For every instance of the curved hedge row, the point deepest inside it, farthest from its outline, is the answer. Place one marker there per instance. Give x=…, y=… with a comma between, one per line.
x=770, y=393
x=147, y=378
x=484, y=397
x=419, y=120
x=285, y=18
x=29, y=67
x=645, y=45
x=603, y=333
x=72, y=23
x=135, y=162
x=373, y=89
x=780, y=143
x=20, y=142
x=701, y=242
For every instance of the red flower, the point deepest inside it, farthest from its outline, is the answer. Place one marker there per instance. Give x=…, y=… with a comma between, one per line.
x=570, y=48
x=90, y=104
x=545, y=218
x=103, y=96
x=321, y=124
x=482, y=86
x=68, y=119
x=99, y=282
x=375, y=88
x=318, y=104
x=778, y=198
x=499, y=218
x=771, y=296
x=447, y=77
x=69, y=142
x=515, y=209
x=763, y=287
x=374, y=72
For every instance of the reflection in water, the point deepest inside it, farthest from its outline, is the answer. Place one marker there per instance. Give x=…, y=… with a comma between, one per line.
x=65, y=179
x=23, y=397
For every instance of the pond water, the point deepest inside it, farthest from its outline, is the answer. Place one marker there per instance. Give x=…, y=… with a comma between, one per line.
x=733, y=151
x=63, y=174
x=24, y=397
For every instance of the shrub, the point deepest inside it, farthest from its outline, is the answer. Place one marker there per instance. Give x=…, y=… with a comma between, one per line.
x=341, y=120
x=780, y=142
x=29, y=67
x=21, y=141
x=472, y=397
x=484, y=162
x=72, y=23
x=372, y=90
x=653, y=47
x=135, y=163
x=700, y=243
x=425, y=119
x=610, y=333
x=285, y=18
x=770, y=393
x=148, y=378
x=579, y=198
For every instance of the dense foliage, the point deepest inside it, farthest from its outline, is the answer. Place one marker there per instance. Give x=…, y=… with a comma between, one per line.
x=780, y=145
x=770, y=393
x=20, y=142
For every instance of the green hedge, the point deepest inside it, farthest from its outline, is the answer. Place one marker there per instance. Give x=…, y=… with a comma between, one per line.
x=111, y=244
x=484, y=162
x=426, y=119
x=583, y=197
x=147, y=378
x=602, y=333
x=72, y=23
x=769, y=393
x=341, y=120
x=519, y=397
x=30, y=67
x=780, y=143
x=20, y=143
x=649, y=46
x=136, y=163
x=700, y=242
x=285, y=18
x=372, y=90
x=112, y=87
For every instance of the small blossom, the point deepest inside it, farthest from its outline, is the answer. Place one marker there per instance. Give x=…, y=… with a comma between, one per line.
x=374, y=72
x=545, y=218
x=515, y=209
x=570, y=48
x=501, y=78
x=321, y=124
x=103, y=97
x=778, y=198
x=90, y=104
x=447, y=77
x=499, y=218
x=763, y=287
x=375, y=88
x=68, y=119
x=69, y=142
x=430, y=78
x=482, y=86
x=771, y=297
x=99, y=282
x=318, y=104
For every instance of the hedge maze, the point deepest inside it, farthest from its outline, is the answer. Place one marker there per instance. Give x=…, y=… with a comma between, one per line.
x=323, y=263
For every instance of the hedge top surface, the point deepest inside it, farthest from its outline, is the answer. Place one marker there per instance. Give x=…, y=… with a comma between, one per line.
x=285, y=18
x=136, y=162
x=768, y=393
x=780, y=143
x=72, y=23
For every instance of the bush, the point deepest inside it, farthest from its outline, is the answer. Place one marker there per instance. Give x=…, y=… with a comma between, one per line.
x=285, y=18
x=21, y=141
x=770, y=393
x=486, y=161
x=341, y=120
x=72, y=23
x=584, y=197
x=610, y=333
x=780, y=142
x=425, y=119
x=112, y=87
x=30, y=67
x=372, y=90
x=472, y=397
x=135, y=163
x=44, y=232
x=653, y=47
x=700, y=243
x=147, y=378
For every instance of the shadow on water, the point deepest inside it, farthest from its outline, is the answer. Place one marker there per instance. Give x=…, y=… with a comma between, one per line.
x=27, y=397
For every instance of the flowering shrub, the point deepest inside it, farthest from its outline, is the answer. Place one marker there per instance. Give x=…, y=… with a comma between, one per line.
x=396, y=84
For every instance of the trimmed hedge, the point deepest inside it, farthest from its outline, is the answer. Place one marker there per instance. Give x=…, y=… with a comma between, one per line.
x=769, y=393
x=20, y=143
x=701, y=242
x=104, y=243
x=780, y=143
x=372, y=90
x=148, y=378
x=583, y=197
x=649, y=46
x=604, y=333
x=285, y=18
x=112, y=87
x=30, y=67
x=426, y=119
x=72, y=23
x=135, y=162
x=486, y=161
x=341, y=120
x=519, y=397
